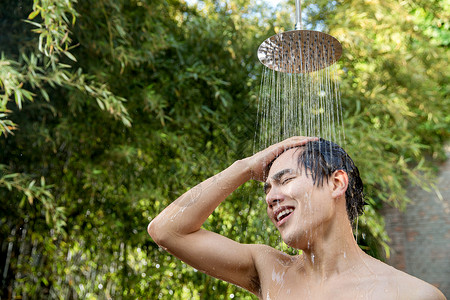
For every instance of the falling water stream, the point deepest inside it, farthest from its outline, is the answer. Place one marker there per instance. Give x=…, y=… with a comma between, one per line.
x=303, y=104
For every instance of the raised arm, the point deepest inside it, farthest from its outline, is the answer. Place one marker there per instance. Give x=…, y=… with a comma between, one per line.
x=178, y=227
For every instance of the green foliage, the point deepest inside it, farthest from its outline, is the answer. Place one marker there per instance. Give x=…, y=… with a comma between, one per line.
x=180, y=83
x=45, y=67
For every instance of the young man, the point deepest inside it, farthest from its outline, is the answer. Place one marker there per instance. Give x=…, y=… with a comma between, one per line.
x=313, y=191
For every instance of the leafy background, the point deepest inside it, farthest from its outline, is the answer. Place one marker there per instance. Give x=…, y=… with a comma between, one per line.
x=111, y=109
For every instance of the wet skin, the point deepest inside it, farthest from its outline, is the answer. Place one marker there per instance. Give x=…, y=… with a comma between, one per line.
x=310, y=218
x=332, y=266
x=289, y=188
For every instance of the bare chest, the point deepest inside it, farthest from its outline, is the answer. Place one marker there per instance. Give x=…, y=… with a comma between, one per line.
x=280, y=286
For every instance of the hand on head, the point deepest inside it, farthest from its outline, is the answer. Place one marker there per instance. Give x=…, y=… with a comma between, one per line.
x=259, y=162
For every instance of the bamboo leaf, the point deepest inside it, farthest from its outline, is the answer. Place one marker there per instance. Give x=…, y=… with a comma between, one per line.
x=33, y=14
x=70, y=55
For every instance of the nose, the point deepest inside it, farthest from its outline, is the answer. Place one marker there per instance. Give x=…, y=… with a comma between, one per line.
x=274, y=198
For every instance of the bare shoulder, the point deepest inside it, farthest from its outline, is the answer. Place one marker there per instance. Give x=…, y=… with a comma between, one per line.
x=265, y=259
x=268, y=260
x=264, y=254
x=403, y=285
x=414, y=288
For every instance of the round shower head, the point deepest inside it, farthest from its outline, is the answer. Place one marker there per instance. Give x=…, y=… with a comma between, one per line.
x=299, y=51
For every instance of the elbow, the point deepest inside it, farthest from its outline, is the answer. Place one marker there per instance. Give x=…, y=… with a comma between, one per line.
x=160, y=234
x=153, y=230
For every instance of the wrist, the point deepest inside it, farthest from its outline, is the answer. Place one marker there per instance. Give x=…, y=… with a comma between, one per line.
x=243, y=166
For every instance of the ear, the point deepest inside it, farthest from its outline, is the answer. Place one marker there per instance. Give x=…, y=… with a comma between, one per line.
x=339, y=183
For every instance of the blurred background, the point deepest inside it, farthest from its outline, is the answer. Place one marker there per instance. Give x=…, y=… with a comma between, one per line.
x=111, y=109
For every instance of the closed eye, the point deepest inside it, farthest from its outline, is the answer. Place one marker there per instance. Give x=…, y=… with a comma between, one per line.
x=284, y=181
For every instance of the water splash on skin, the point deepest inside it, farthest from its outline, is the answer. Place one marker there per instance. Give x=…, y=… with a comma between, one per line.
x=190, y=198
x=193, y=195
x=278, y=277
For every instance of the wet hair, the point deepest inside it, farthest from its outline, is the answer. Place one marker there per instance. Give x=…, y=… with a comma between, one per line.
x=322, y=158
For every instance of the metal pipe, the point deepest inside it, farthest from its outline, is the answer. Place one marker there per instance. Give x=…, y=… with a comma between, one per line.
x=298, y=15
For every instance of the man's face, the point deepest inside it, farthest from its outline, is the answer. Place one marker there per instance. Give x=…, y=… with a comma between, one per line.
x=296, y=206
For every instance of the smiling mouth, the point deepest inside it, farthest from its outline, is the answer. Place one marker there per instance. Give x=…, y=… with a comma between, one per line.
x=283, y=214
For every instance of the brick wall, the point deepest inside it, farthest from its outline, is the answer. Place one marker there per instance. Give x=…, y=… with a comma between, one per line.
x=420, y=235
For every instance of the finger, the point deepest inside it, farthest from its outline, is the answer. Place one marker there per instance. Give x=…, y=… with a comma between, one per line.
x=290, y=143
x=295, y=142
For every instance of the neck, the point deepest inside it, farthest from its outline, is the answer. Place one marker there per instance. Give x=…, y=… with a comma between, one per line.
x=333, y=250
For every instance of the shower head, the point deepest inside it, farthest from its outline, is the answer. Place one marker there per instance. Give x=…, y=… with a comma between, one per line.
x=299, y=51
